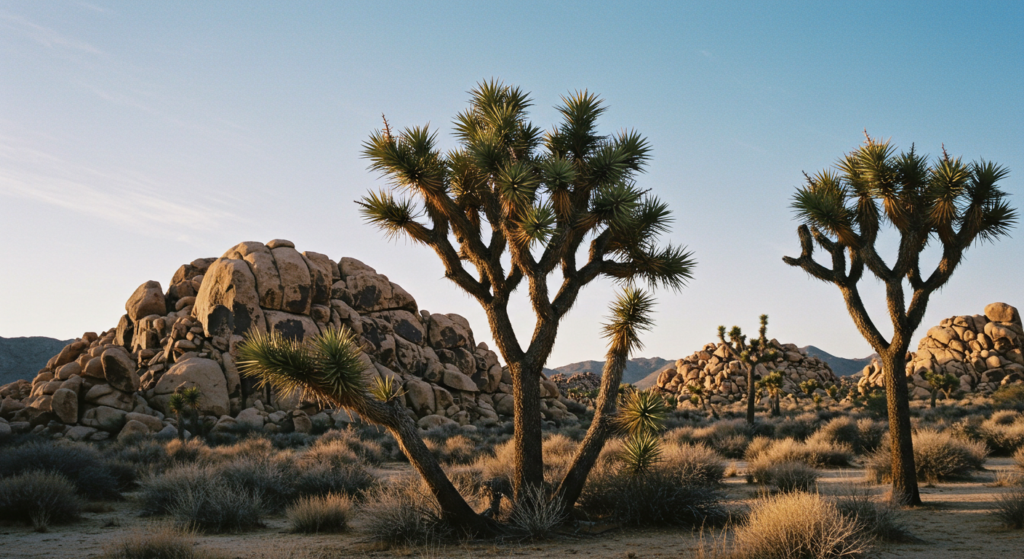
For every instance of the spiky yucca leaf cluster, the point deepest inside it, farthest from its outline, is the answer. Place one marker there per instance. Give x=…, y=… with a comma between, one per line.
x=386, y=389
x=641, y=452
x=631, y=316
x=644, y=411
x=327, y=366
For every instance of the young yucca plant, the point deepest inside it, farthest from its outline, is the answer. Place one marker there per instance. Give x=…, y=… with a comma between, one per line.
x=643, y=411
x=773, y=384
x=386, y=389
x=641, y=452
x=176, y=403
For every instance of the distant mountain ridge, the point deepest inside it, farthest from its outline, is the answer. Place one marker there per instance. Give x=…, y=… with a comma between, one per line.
x=841, y=366
x=636, y=368
x=21, y=358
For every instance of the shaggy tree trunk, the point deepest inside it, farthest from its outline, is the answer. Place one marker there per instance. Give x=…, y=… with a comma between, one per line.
x=904, y=474
x=454, y=509
x=180, y=425
x=526, y=440
x=571, y=487
x=750, y=393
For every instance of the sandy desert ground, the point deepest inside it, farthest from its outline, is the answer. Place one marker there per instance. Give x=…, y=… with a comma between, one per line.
x=954, y=523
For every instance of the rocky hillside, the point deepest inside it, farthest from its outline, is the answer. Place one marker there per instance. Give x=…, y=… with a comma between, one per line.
x=21, y=358
x=636, y=369
x=982, y=350
x=118, y=381
x=725, y=379
x=841, y=366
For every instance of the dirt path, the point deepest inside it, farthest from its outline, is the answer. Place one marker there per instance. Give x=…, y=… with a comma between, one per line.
x=955, y=523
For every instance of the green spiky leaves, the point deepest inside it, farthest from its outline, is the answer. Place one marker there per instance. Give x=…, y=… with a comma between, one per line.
x=327, y=367
x=630, y=316
x=643, y=411
x=176, y=403
x=641, y=452
x=386, y=389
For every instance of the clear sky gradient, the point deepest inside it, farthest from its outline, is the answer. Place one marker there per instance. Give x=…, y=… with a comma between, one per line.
x=137, y=136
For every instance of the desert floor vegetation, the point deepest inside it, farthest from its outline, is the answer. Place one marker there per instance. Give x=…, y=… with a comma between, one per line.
x=348, y=492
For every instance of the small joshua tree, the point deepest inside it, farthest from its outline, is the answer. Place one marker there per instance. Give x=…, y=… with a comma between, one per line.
x=191, y=397
x=758, y=351
x=699, y=397
x=642, y=417
x=176, y=403
x=944, y=382
x=809, y=386
x=833, y=391
x=772, y=383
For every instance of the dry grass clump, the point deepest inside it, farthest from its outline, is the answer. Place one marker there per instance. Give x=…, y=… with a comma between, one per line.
x=368, y=446
x=159, y=492
x=1003, y=432
x=880, y=520
x=39, y=498
x=798, y=526
x=457, y=449
x=536, y=516
x=168, y=542
x=937, y=456
x=816, y=453
x=1018, y=458
x=315, y=514
x=1010, y=508
x=857, y=435
x=403, y=514
x=269, y=478
x=696, y=464
x=786, y=476
x=80, y=463
x=321, y=479
x=192, y=451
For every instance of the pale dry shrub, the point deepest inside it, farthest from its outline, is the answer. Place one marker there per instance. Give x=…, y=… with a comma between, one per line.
x=321, y=479
x=80, y=463
x=315, y=514
x=332, y=453
x=368, y=445
x=457, y=449
x=1010, y=508
x=937, y=456
x=759, y=445
x=402, y=514
x=534, y=515
x=159, y=492
x=696, y=464
x=843, y=430
x=814, y=453
x=192, y=451
x=39, y=498
x=268, y=477
x=798, y=526
x=499, y=465
x=167, y=542
x=1003, y=432
x=1018, y=458
x=880, y=520
x=253, y=447
x=786, y=476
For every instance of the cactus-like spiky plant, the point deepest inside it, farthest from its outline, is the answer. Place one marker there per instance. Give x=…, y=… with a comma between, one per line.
x=772, y=383
x=176, y=404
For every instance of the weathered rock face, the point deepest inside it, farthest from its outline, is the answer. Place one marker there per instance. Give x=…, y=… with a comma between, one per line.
x=188, y=336
x=983, y=351
x=724, y=377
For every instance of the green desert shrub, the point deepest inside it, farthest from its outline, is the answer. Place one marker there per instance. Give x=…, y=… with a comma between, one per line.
x=314, y=514
x=695, y=464
x=785, y=476
x=167, y=542
x=798, y=428
x=937, y=456
x=1010, y=508
x=159, y=493
x=858, y=435
x=80, y=463
x=1010, y=396
x=218, y=507
x=798, y=526
x=268, y=477
x=320, y=479
x=38, y=498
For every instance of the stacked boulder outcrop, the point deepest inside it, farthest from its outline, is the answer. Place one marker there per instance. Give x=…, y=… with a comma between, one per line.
x=724, y=378
x=119, y=381
x=983, y=351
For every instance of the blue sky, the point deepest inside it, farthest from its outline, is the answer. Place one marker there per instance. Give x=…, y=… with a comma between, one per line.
x=137, y=136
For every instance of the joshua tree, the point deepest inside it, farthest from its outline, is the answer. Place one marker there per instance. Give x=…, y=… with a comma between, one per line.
x=947, y=202
x=190, y=397
x=809, y=386
x=328, y=369
x=833, y=392
x=176, y=403
x=772, y=383
x=757, y=352
x=512, y=205
x=944, y=382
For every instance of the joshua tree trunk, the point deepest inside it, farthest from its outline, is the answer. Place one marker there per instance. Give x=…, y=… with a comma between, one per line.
x=602, y=425
x=935, y=394
x=526, y=439
x=180, y=425
x=454, y=508
x=897, y=397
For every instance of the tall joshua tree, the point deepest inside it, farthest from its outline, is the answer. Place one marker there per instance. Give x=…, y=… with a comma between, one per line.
x=947, y=202
x=510, y=206
x=752, y=354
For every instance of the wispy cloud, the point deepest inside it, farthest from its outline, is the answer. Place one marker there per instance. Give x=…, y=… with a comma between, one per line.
x=45, y=36
x=119, y=197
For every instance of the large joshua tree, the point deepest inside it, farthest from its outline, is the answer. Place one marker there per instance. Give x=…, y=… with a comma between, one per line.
x=752, y=354
x=513, y=207
x=947, y=202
